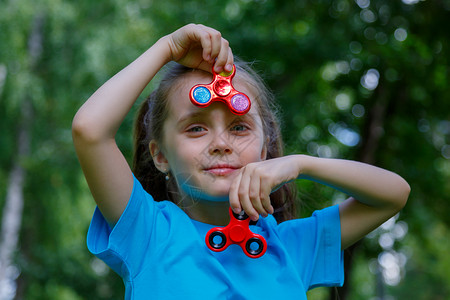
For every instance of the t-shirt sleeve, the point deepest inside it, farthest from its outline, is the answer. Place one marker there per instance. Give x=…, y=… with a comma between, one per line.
x=314, y=244
x=118, y=246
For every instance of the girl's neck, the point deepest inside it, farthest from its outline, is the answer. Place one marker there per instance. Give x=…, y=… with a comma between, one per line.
x=214, y=213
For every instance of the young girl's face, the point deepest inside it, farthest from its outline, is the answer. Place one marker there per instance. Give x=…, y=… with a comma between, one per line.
x=206, y=147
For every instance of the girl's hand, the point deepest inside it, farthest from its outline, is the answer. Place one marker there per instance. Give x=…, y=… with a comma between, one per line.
x=200, y=47
x=252, y=187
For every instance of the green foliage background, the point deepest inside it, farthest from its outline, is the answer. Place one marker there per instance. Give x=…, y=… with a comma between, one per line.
x=315, y=55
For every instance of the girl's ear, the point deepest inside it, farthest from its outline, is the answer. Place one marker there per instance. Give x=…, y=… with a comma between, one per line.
x=264, y=149
x=158, y=157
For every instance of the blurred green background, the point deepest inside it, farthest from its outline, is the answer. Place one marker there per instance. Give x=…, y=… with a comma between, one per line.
x=357, y=79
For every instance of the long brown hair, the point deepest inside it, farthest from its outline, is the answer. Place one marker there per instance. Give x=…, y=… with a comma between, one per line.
x=149, y=125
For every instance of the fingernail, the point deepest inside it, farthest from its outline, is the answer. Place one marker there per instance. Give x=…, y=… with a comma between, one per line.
x=229, y=67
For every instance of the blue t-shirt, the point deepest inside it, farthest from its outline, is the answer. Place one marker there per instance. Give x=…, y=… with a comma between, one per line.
x=161, y=254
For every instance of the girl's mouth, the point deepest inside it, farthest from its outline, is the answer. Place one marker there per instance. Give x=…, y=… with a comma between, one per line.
x=221, y=169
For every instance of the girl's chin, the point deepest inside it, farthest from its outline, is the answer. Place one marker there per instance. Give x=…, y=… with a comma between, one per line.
x=207, y=190
x=201, y=194
x=220, y=193
x=216, y=189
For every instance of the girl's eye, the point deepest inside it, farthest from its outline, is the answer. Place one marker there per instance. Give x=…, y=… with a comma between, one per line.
x=239, y=128
x=196, y=129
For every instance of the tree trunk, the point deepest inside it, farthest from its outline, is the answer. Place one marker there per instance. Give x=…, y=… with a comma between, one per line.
x=12, y=212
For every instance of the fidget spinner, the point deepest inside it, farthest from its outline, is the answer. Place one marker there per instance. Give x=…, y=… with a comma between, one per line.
x=220, y=89
x=237, y=232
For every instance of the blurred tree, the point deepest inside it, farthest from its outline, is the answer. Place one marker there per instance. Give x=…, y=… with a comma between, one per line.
x=365, y=80
x=12, y=213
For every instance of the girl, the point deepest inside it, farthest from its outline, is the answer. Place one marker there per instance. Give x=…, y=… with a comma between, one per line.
x=205, y=160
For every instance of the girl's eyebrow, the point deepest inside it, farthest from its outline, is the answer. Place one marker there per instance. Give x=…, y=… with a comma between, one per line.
x=249, y=117
x=190, y=115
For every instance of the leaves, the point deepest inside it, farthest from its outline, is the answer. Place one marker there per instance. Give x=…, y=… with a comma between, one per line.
x=331, y=65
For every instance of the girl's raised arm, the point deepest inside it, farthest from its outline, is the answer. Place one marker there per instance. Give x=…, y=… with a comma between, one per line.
x=95, y=125
x=375, y=194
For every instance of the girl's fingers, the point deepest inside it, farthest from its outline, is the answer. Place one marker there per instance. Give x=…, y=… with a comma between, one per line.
x=244, y=199
x=265, y=196
x=216, y=50
x=223, y=56
x=234, y=197
x=250, y=191
x=216, y=44
x=253, y=185
x=254, y=195
x=208, y=41
x=201, y=47
x=230, y=61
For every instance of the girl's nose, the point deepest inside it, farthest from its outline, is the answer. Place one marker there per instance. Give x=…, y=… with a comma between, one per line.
x=220, y=145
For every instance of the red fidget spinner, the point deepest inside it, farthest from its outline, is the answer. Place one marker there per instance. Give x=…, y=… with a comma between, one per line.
x=220, y=89
x=236, y=232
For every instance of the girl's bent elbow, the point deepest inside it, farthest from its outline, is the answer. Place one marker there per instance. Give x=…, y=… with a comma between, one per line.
x=406, y=192
x=80, y=129
x=85, y=132
x=402, y=196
